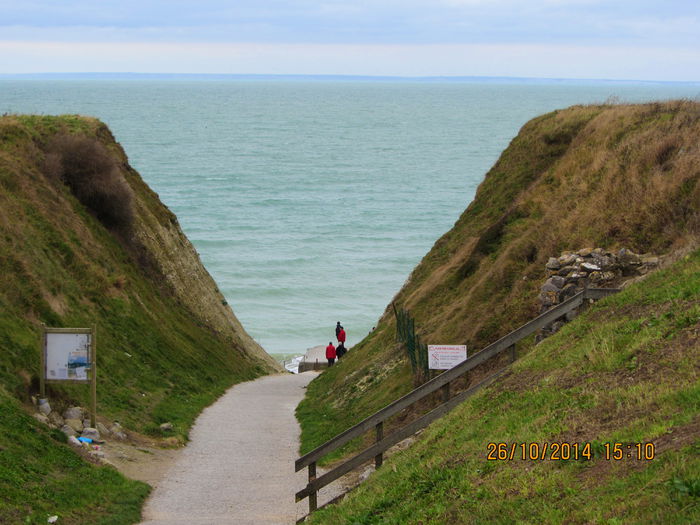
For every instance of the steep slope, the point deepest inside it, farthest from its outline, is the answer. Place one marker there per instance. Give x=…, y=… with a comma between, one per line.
x=165, y=334
x=610, y=176
x=85, y=243
x=615, y=398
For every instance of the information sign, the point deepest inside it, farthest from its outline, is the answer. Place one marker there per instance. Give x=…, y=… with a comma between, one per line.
x=444, y=357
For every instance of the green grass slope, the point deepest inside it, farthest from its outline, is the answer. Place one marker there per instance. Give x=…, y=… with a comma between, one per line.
x=609, y=176
x=167, y=343
x=627, y=371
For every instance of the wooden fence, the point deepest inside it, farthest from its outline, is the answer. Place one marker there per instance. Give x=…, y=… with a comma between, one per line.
x=376, y=420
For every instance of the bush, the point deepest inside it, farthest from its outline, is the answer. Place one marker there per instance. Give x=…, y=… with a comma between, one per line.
x=93, y=175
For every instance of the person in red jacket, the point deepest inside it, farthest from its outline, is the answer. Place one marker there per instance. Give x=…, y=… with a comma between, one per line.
x=330, y=353
x=341, y=336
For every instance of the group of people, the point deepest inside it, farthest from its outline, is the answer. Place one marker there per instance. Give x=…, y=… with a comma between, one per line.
x=336, y=352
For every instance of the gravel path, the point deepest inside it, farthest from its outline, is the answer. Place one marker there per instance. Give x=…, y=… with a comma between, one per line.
x=239, y=464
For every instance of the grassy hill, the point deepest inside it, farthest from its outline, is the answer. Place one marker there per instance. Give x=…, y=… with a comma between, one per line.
x=609, y=176
x=85, y=243
x=627, y=372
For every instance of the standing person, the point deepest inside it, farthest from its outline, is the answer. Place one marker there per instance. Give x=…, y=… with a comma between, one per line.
x=341, y=336
x=340, y=350
x=338, y=328
x=330, y=353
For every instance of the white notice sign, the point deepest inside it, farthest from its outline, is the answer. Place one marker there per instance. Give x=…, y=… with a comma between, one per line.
x=444, y=357
x=67, y=356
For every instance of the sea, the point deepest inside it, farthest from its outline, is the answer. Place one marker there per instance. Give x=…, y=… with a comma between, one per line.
x=311, y=199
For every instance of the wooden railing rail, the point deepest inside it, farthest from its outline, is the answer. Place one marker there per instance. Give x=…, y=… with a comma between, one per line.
x=377, y=419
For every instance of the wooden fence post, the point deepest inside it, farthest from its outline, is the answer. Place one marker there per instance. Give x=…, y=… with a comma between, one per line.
x=379, y=459
x=445, y=392
x=313, y=501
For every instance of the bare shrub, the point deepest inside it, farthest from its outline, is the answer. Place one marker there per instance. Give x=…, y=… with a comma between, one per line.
x=86, y=166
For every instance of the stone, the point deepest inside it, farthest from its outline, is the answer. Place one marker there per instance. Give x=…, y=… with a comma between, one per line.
x=585, y=252
x=166, y=427
x=73, y=413
x=568, y=291
x=650, y=260
x=590, y=267
x=44, y=407
x=597, y=251
x=41, y=418
x=566, y=270
x=567, y=259
x=626, y=256
x=68, y=431
x=87, y=423
x=75, y=424
x=97, y=453
x=548, y=298
x=557, y=281
x=553, y=264
x=56, y=419
x=549, y=287
x=74, y=441
x=91, y=433
x=102, y=429
x=596, y=277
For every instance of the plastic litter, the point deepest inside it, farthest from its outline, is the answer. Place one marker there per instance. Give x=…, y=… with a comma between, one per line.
x=85, y=440
x=52, y=519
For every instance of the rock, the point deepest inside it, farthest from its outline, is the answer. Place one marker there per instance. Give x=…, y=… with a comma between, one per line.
x=627, y=256
x=97, y=453
x=91, y=433
x=166, y=427
x=553, y=264
x=596, y=277
x=597, y=251
x=68, y=431
x=650, y=260
x=74, y=441
x=56, y=419
x=41, y=418
x=117, y=431
x=557, y=281
x=585, y=252
x=548, y=298
x=590, y=267
x=102, y=429
x=75, y=424
x=73, y=413
x=87, y=423
x=566, y=270
x=568, y=291
x=44, y=407
x=567, y=259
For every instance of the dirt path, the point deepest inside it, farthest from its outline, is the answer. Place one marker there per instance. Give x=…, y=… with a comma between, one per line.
x=239, y=465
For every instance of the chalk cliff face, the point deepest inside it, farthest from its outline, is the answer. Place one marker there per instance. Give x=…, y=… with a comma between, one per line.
x=85, y=242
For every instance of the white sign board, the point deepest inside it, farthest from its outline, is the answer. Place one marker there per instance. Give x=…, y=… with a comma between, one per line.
x=67, y=356
x=444, y=357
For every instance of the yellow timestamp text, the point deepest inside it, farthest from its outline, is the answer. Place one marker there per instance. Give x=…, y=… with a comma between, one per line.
x=565, y=451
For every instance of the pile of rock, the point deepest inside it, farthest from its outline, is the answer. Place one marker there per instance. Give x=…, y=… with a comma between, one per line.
x=74, y=424
x=569, y=273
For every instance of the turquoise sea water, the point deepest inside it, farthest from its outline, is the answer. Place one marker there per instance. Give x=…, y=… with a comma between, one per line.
x=310, y=201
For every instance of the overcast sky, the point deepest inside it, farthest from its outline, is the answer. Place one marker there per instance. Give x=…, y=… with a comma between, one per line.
x=619, y=39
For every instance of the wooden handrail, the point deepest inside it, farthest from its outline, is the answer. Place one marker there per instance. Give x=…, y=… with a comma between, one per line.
x=506, y=342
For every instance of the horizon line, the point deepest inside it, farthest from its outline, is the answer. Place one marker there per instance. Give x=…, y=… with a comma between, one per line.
x=321, y=77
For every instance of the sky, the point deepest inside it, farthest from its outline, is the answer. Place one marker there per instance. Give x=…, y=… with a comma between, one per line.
x=599, y=39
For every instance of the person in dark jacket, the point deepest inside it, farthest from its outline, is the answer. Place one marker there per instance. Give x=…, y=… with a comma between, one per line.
x=340, y=350
x=338, y=328
x=330, y=353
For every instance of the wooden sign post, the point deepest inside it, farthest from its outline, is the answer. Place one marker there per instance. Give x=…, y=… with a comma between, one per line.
x=69, y=355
